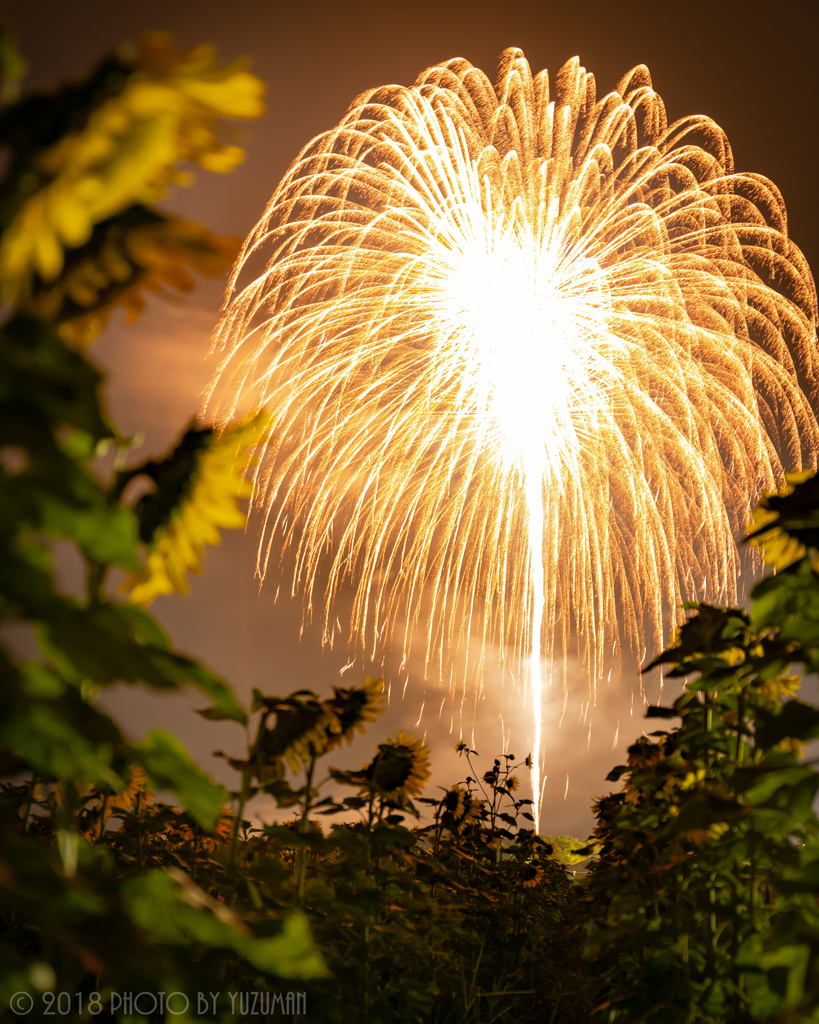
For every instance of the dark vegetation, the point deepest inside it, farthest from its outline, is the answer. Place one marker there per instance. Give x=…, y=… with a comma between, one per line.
x=700, y=903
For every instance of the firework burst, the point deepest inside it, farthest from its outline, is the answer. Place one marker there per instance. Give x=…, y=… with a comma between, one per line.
x=530, y=357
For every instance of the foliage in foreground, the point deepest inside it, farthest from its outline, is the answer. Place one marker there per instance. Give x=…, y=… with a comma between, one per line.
x=705, y=890
x=701, y=904
x=79, y=236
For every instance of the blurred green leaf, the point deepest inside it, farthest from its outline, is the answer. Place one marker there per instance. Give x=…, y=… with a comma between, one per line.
x=170, y=767
x=174, y=910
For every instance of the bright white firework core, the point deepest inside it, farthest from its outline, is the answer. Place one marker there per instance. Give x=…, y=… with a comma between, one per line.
x=529, y=319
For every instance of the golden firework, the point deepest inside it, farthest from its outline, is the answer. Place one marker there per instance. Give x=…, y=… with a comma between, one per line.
x=530, y=357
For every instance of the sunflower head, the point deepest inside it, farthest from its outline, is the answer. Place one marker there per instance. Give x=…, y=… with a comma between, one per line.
x=400, y=768
x=459, y=809
x=531, y=874
x=453, y=802
x=197, y=492
x=783, y=525
x=355, y=708
x=545, y=848
x=297, y=825
x=136, y=787
x=311, y=744
x=305, y=728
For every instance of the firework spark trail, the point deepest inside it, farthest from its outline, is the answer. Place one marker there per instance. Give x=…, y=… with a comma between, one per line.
x=530, y=357
x=533, y=472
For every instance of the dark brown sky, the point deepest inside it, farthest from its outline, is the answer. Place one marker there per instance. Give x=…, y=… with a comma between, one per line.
x=750, y=65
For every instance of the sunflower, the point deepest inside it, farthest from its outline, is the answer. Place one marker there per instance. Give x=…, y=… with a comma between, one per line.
x=474, y=811
x=513, y=783
x=314, y=825
x=312, y=743
x=208, y=499
x=531, y=874
x=181, y=833
x=127, y=151
x=400, y=769
x=454, y=802
x=136, y=252
x=354, y=709
x=128, y=797
x=778, y=527
x=460, y=809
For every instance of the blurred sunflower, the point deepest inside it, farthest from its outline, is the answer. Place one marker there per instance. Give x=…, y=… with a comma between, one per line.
x=531, y=874
x=459, y=809
x=313, y=742
x=474, y=811
x=181, y=833
x=454, y=803
x=123, y=801
x=354, y=709
x=776, y=547
x=314, y=825
x=492, y=842
x=399, y=770
x=513, y=783
x=199, y=487
x=136, y=787
x=779, y=687
x=141, y=118
x=137, y=251
x=767, y=532
x=304, y=729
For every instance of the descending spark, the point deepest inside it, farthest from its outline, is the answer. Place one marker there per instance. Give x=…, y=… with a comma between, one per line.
x=529, y=356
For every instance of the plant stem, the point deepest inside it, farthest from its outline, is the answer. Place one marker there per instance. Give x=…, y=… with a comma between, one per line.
x=303, y=827
x=102, y=814
x=29, y=801
x=196, y=837
x=139, y=830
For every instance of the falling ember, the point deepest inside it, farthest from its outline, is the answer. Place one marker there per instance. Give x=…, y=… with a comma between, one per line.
x=530, y=357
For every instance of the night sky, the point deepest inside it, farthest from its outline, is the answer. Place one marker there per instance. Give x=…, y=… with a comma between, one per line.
x=751, y=66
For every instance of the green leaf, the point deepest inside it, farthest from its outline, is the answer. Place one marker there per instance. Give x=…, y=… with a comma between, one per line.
x=213, y=714
x=40, y=681
x=797, y=512
x=183, y=671
x=40, y=374
x=789, y=602
x=775, y=779
x=788, y=963
x=144, y=627
x=46, y=739
x=702, y=810
x=109, y=643
x=175, y=911
x=105, y=535
x=290, y=954
x=799, y=880
x=710, y=631
x=656, y=711
x=795, y=720
x=170, y=767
